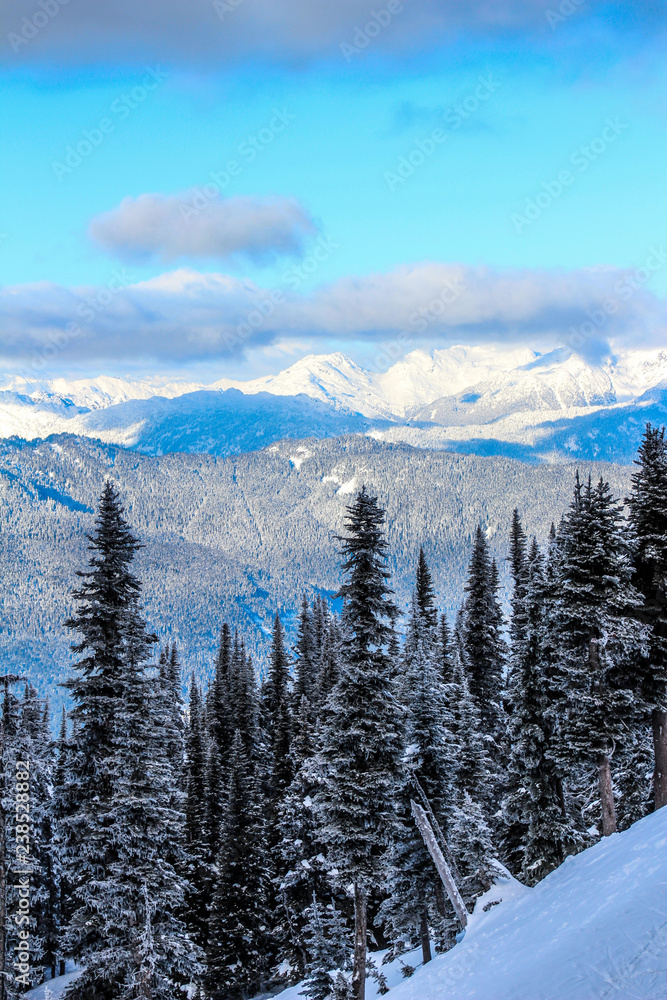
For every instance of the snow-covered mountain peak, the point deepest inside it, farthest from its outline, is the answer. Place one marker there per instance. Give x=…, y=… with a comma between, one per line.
x=470, y=392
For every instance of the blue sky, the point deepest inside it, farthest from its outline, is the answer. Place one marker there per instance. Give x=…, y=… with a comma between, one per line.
x=446, y=153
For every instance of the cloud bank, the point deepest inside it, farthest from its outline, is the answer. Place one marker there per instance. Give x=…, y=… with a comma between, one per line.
x=192, y=225
x=214, y=33
x=184, y=316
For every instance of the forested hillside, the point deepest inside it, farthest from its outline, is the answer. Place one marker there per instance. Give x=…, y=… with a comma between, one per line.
x=238, y=538
x=372, y=791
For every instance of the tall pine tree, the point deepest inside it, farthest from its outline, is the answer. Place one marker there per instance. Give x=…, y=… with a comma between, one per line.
x=360, y=751
x=648, y=516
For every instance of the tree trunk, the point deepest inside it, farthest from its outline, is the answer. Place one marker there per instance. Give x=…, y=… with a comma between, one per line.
x=426, y=940
x=359, y=968
x=451, y=888
x=606, y=796
x=659, y=720
x=439, y=897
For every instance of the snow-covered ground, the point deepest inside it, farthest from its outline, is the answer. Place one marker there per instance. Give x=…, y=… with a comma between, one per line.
x=595, y=929
x=53, y=990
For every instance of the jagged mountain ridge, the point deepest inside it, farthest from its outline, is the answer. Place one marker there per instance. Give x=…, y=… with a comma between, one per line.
x=473, y=393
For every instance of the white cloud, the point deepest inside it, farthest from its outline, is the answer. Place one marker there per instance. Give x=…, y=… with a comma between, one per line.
x=191, y=225
x=187, y=316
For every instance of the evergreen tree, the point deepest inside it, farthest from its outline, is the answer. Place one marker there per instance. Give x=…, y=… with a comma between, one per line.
x=61, y=806
x=483, y=646
x=238, y=947
x=360, y=752
x=425, y=595
x=469, y=835
x=648, y=517
x=278, y=716
x=327, y=950
x=120, y=817
x=513, y=823
x=536, y=833
x=414, y=904
x=330, y=671
x=171, y=688
x=197, y=818
x=306, y=655
x=219, y=710
x=106, y=621
x=145, y=890
x=598, y=638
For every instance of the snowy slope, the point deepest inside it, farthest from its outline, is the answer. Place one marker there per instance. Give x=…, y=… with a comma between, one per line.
x=214, y=422
x=557, y=381
x=54, y=989
x=595, y=929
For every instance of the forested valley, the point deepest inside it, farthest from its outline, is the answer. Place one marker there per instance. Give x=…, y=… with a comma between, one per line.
x=255, y=831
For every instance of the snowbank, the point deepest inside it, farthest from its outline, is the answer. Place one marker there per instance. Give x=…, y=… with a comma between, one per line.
x=595, y=929
x=55, y=988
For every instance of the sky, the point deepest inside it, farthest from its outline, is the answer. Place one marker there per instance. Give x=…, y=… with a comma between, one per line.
x=217, y=188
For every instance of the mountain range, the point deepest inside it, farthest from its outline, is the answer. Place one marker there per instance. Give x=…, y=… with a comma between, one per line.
x=484, y=399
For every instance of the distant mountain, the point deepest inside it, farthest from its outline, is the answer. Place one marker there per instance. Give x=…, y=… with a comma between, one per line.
x=215, y=422
x=492, y=400
x=557, y=381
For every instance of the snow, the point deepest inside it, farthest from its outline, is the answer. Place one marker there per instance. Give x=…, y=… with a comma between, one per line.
x=348, y=487
x=55, y=987
x=595, y=929
x=488, y=396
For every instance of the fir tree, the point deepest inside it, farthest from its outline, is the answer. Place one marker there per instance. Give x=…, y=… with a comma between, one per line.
x=598, y=639
x=327, y=950
x=425, y=595
x=361, y=740
x=431, y=755
x=219, y=710
x=468, y=830
x=648, y=517
x=238, y=947
x=121, y=815
x=306, y=655
x=108, y=622
x=277, y=714
x=483, y=645
x=197, y=833
x=536, y=833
